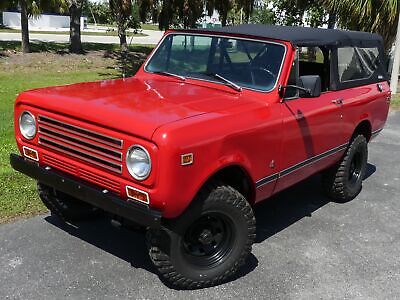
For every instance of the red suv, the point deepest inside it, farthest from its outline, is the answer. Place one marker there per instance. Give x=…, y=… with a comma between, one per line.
x=214, y=122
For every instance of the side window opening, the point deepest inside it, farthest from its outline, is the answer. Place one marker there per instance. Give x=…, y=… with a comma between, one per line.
x=315, y=61
x=309, y=61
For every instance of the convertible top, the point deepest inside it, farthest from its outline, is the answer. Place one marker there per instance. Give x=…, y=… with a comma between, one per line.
x=304, y=36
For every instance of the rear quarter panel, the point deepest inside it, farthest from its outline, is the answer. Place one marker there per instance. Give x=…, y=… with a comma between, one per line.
x=365, y=103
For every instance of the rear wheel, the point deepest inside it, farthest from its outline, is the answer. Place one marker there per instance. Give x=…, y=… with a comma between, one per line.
x=64, y=206
x=208, y=243
x=343, y=182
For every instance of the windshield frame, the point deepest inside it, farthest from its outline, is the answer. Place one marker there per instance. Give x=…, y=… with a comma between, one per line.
x=222, y=36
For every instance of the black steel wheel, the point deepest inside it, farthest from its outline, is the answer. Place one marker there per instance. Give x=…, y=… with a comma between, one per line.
x=209, y=240
x=356, y=166
x=343, y=181
x=208, y=243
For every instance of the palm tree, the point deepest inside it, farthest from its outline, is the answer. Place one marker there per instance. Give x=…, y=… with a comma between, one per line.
x=25, y=45
x=222, y=6
x=379, y=16
x=28, y=8
x=74, y=7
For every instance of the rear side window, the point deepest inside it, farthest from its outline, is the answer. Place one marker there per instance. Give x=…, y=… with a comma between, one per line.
x=357, y=63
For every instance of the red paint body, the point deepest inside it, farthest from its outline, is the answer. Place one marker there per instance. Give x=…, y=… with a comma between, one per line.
x=220, y=126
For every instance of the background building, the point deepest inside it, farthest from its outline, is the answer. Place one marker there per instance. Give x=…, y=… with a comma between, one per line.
x=40, y=22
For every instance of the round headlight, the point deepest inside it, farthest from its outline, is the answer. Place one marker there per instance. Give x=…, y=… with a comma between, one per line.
x=138, y=162
x=27, y=125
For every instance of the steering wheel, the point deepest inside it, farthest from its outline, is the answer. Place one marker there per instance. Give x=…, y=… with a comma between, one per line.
x=269, y=75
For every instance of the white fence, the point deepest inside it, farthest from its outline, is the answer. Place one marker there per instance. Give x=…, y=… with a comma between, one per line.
x=13, y=20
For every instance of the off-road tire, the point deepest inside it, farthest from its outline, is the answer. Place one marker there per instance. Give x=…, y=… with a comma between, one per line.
x=336, y=180
x=166, y=246
x=64, y=206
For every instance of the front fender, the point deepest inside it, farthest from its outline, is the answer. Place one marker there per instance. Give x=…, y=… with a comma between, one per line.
x=177, y=184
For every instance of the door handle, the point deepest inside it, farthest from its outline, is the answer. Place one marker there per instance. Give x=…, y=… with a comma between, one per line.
x=338, y=101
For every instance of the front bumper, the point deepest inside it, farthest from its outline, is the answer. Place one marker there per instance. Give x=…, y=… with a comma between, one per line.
x=87, y=192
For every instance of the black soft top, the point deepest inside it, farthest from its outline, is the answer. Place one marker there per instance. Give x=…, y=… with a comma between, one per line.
x=304, y=36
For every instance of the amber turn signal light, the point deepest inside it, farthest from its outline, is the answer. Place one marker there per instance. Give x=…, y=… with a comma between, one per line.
x=187, y=159
x=30, y=153
x=137, y=195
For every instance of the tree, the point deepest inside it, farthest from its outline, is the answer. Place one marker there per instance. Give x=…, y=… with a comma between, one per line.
x=167, y=14
x=28, y=8
x=379, y=16
x=263, y=15
x=225, y=6
x=189, y=12
x=24, y=8
x=295, y=12
x=25, y=46
x=75, y=12
x=97, y=12
x=186, y=13
x=122, y=12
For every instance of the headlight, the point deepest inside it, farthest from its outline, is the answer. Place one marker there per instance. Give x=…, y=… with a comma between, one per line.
x=138, y=162
x=27, y=125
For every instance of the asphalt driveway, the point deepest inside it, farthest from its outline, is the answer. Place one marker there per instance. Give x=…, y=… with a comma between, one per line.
x=307, y=248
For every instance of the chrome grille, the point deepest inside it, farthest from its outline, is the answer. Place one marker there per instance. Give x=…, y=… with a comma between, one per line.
x=89, y=146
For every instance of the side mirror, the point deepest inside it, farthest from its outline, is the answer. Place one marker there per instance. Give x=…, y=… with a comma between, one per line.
x=311, y=83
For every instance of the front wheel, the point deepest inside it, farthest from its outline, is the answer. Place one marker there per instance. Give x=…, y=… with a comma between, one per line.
x=208, y=243
x=343, y=182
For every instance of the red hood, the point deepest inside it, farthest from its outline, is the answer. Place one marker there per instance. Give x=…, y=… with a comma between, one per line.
x=131, y=105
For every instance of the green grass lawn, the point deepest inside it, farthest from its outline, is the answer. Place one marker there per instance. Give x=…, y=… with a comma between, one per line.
x=49, y=65
x=395, y=103
x=107, y=33
x=149, y=27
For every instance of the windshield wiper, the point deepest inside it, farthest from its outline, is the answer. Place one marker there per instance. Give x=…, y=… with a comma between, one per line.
x=227, y=81
x=170, y=74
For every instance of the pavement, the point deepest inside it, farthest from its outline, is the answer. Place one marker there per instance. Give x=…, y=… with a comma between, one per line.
x=152, y=37
x=306, y=248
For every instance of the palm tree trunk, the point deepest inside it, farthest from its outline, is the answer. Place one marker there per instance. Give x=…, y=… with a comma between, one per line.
x=24, y=27
x=331, y=21
x=75, y=12
x=224, y=18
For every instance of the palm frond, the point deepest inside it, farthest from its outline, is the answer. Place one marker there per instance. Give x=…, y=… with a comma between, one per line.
x=378, y=16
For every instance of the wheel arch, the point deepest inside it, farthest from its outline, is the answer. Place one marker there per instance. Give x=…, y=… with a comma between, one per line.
x=237, y=177
x=234, y=175
x=364, y=128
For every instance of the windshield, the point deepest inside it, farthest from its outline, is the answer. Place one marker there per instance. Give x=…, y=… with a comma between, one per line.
x=248, y=64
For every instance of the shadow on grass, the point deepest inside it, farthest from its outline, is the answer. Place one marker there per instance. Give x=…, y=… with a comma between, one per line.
x=128, y=63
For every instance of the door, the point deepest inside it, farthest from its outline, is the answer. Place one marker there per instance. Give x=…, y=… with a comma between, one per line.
x=312, y=127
